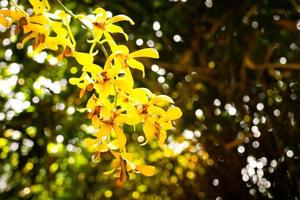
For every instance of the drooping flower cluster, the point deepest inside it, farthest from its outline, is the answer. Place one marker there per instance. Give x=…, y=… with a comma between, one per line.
x=113, y=100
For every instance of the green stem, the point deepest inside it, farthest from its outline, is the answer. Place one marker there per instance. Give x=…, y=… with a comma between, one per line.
x=70, y=31
x=103, y=49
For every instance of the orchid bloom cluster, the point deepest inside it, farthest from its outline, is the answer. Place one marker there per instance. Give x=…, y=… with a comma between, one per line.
x=113, y=99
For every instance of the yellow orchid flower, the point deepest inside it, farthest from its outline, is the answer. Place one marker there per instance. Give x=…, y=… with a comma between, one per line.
x=110, y=121
x=104, y=79
x=141, y=101
x=145, y=107
x=121, y=55
x=123, y=164
x=97, y=146
x=158, y=125
x=103, y=25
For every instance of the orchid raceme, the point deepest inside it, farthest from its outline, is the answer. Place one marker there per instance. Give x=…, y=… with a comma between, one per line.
x=113, y=101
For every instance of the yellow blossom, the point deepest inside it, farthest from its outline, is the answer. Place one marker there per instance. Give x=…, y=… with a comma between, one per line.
x=123, y=164
x=102, y=25
x=122, y=56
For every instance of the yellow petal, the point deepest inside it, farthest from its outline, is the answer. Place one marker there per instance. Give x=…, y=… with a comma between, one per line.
x=147, y=52
x=116, y=29
x=83, y=58
x=162, y=137
x=149, y=130
x=40, y=6
x=147, y=91
x=40, y=19
x=114, y=70
x=4, y=22
x=111, y=42
x=119, y=18
x=105, y=90
x=101, y=14
x=81, y=110
x=92, y=102
x=82, y=81
x=89, y=142
x=120, y=137
x=57, y=27
x=161, y=99
x=52, y=43
x=156, y=110
x=128, y=77
x=103, y=147
x=104, y=130
x=95, y=121
x=116, y=155
x=127, y=156
x=122, y=49
x=129, y=119
x=147, y=170
x=36, y=29
x=74, y=81
x=27, y=38
x=109, y=172
x=15, y=15
x=108, y=62
x=113, y=145
x=123, y=85
x=117, y=174
x=167, y=125
x=93, y=69
x=138, y=95
x=106, y=111
x=96, y=156
x=133, y=63
x=174, y=113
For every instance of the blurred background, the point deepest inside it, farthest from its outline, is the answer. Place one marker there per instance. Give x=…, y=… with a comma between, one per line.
x=233, y=68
